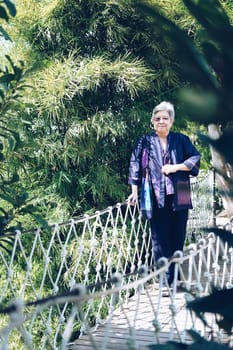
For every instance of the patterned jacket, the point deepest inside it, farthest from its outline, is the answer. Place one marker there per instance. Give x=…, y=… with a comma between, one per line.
x=181, y=150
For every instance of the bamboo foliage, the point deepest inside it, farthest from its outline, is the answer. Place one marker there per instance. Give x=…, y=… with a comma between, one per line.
x=56, y=86
x=100, y=71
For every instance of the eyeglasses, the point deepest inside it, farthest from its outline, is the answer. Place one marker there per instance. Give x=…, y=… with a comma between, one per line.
x=157, y=119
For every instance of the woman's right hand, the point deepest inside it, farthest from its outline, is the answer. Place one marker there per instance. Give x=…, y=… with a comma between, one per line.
x=133, y=196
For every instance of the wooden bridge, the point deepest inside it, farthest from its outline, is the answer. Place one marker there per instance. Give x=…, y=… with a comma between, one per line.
x=92, y=283
x=155, y=315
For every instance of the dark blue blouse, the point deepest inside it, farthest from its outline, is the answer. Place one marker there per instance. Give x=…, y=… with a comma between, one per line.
x=181, y=150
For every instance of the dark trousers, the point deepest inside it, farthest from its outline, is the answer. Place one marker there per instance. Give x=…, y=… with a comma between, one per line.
x=168, y=229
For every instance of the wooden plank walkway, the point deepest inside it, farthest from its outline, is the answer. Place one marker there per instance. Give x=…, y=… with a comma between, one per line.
x=131, y=326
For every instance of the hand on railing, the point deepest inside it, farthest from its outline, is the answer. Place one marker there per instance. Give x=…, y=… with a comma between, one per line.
x=133, y=196
x=132, y=199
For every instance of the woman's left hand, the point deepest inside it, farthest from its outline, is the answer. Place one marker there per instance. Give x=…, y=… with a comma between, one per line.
x=169, y=169
x=173, y=168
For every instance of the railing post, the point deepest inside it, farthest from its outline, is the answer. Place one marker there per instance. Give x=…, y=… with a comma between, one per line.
x=214, y=198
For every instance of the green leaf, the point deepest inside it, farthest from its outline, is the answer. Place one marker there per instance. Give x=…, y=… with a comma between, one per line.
x=23, y=87
x=213, y=54
x=21, y=199
x=27, y=209
x=203, y=344
x=7, y=198
x=4, y=34
x=201, y=103
x=10, y=60
x=212, y=16
x=14, y=140
x=2, y=246
x=219, y=302
x=193, y=63
x=16, y=200
x=168, y=346
x=11, y=7
x=40, y=220
x=15, y=178
x=214, y=19
x=17, y=71
x=12, y=143
x=3, y=13
x=226, y=236
x=7, y=78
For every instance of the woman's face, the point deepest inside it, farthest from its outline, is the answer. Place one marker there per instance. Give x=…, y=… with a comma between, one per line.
x=162, y=123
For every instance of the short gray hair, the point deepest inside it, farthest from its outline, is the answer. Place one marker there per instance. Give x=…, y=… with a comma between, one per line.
x=164, y=106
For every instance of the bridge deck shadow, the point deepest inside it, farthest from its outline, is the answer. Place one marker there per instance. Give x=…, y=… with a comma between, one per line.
x=132, y=325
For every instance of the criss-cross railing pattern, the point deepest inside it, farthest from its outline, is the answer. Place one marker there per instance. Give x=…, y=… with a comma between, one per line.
x=46, y=268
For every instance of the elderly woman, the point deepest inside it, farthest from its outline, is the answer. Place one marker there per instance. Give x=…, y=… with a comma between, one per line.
x=172, y=158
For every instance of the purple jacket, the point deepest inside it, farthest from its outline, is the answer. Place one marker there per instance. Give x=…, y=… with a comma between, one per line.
x=181, y=150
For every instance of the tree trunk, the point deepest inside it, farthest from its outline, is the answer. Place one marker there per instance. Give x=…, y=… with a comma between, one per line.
x=224, y=171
